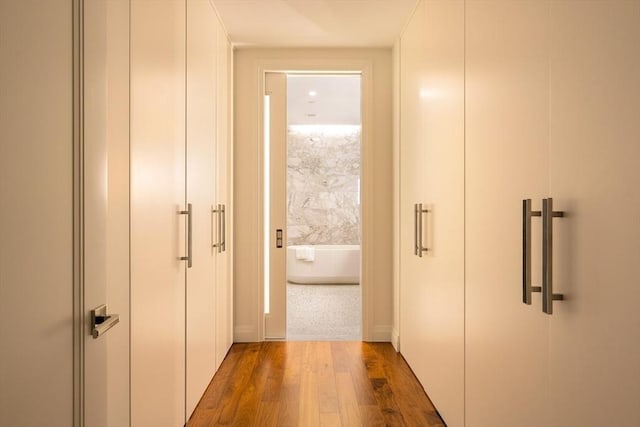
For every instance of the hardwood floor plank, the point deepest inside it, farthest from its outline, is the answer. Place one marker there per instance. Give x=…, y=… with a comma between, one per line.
x=267, y=414
x=231, y=400
x=386, y=402
x=290, y=391
x=330, y=420
x=308, y=412
x=373, y=360
x=289, y=405
x=314, y=384
x=415, y=406
x=273, y=386
x=360, y=375
x=254, y=388
x=213, y=395
x=341, y=357
x=347, y=401
x=327, y=391
x=371, y=417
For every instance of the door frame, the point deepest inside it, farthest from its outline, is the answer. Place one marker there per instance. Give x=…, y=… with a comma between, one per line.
x=363, y=67
x=79, y=321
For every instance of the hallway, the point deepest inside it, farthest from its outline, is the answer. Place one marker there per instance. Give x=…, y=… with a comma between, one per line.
x=495, y=196
x=314, y=383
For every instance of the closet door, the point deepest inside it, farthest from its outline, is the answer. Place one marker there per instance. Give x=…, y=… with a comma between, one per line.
x=506, y=161
x=201, y=174
x=36, y=219
x=105, y=204
x=224, y=302
x=157, y=227
x=595, y=147
x=432, y=302
x=411, y=51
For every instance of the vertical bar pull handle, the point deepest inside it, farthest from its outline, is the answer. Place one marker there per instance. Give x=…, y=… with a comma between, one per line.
x=214, y=236
x=548, y=297
x=218, y=212
x=527, y=289
x=189, y=257
x=419, y=212
x=415, y=229
x=223, y=244
x=219, y=229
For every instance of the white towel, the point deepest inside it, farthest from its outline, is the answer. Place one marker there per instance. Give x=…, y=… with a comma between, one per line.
x=305, y=253
x=311, y=254
x=301, y=252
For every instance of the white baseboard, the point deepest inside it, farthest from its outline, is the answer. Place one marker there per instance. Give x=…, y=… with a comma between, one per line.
x=381, y=333
x=395, y=339
x=245, y=333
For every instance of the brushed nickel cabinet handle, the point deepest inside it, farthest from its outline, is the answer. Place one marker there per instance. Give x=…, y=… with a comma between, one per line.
x=420, y=211
x=189, y=257
x=527, y=289
x=548, y=297
x=218, y=213
x=415, y=229
x=223, y=244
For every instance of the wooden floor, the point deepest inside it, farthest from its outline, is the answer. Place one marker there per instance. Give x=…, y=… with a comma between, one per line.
x=314, y=384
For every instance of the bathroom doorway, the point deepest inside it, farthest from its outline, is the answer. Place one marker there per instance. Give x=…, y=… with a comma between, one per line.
x=313, y=290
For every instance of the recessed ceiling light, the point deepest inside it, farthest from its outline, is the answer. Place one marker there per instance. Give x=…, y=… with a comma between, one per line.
x=312, y=93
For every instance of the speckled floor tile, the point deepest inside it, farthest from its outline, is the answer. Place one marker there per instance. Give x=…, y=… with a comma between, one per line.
x=324, y=312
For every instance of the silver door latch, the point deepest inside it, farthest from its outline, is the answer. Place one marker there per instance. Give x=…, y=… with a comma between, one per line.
x=101, y=322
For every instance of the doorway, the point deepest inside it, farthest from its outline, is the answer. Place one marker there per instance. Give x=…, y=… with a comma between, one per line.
x=312, y=206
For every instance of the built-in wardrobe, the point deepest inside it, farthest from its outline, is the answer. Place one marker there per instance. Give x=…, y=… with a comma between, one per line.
x=181, y=320
x=520, y=210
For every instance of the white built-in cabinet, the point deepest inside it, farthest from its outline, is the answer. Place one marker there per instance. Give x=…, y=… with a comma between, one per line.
x=507, y=160
x=180, y=282
x=432, y=177
x=550, y=102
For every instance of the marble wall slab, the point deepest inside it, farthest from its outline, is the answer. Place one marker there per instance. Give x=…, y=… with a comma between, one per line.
x=323, y=174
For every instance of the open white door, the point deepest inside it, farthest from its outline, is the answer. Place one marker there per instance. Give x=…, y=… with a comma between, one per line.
x=275, y=174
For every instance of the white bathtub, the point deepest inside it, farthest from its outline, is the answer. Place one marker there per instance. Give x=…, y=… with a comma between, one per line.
x=339, y=264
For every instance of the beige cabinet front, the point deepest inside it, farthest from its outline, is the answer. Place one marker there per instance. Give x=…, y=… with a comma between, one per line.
x=551, y=101
x=594, y=140
x=432, y=176
x=201, y=139
x=507, y=116
x=180, y=285
x=223, y=222
x=158, y=238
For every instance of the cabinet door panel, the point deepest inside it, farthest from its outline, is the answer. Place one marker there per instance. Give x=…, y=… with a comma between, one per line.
x=432, y=305
x=412, y=48
x=157, y=230
x=201, y=170
x=506, y=161
x=594, y=140
x=224, y=302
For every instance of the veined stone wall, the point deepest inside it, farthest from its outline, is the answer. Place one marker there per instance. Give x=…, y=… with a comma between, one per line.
x=323, y=174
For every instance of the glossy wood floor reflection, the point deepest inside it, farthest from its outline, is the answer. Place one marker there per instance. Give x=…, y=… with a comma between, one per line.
x=314, y=384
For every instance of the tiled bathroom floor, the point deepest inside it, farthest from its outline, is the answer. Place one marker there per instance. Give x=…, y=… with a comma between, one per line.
x=324, y=312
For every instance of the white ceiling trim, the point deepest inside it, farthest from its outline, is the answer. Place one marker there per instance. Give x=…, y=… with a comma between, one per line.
x=314, y=23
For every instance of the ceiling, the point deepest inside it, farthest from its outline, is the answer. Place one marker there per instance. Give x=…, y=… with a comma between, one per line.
x=314, y=23
x=323, y=99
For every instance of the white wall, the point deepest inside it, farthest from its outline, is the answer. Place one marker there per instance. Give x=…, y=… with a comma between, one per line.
x=376, y=180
